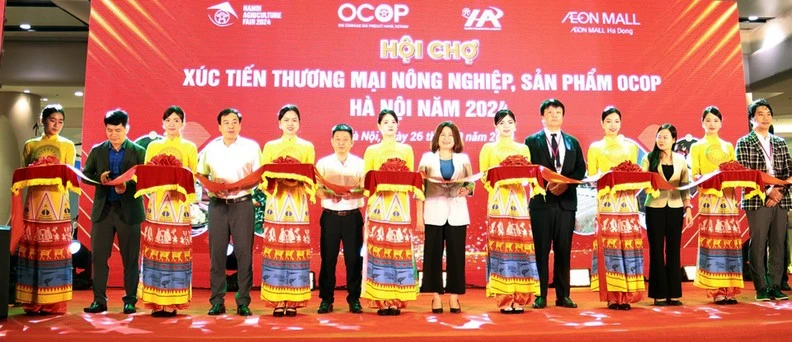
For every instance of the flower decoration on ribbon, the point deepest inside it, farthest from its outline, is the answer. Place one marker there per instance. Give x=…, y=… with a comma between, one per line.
x=515, y=160
x=45, y=160
x=731, y=166
x=165, y=160
x=394, y=164
x=627, y=166
x=394, y=175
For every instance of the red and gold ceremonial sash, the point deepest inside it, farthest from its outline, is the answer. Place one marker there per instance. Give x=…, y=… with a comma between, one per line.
x=65, y=177
x=401, y=181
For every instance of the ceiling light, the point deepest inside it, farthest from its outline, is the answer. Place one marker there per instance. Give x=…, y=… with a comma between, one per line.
x=753, y=18
x=24, y=26
x=44, y=99
x=26, y=91
x=78, y=93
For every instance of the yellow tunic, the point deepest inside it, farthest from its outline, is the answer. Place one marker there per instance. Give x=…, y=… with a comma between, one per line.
x=184, y=150
x=707, y=154
x=609, y=152
x=619, y=248
x=389, y=277
x=492, y=154
x=166, y=246
x=54, y=145
x=44, y=270
x=373, y=158
x=513, y=276
x=294, y=147
x=719, y=256
x=286, y=251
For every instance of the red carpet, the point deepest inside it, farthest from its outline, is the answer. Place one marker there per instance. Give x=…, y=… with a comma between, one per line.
x=698, y=318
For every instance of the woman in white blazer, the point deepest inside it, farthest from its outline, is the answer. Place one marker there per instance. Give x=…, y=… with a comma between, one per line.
x=445, y=216
x=665, y=215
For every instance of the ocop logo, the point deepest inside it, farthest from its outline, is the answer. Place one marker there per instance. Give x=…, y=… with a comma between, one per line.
x=486, y=19
x=221, y=14
x=384, y=13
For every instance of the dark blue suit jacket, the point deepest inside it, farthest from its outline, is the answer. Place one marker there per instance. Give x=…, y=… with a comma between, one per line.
x=574, y=166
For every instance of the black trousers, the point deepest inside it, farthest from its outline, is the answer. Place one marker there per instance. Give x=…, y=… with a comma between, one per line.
x=102, y=235
x=553, y=225
x=664, y=231
x=335, y=230
x=453, y=239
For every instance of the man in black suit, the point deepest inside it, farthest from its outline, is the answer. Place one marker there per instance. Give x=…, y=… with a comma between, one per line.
x=115, y=210
x=553, y=215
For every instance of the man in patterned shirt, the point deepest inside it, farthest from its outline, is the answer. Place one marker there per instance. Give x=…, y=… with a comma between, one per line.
x=763, y=151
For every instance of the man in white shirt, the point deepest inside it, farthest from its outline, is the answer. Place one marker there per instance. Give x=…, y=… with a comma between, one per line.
x=341, y=221
x=228, y=159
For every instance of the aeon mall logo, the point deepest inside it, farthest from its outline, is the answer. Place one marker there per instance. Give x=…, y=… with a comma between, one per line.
x=222, y=15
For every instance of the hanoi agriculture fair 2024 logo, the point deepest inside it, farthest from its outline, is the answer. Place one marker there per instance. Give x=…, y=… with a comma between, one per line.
x=223, y=15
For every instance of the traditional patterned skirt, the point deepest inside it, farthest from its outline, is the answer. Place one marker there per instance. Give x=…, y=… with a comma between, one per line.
x=617, y=261
x=286, y=253
x=389, y=272
x=44, y=271
x=167, y=253
x=512, y=275
x=720, y=246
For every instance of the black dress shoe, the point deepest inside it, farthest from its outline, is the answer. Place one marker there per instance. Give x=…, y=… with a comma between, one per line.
x=355, y=307
x=279, y=312
x=325, y=307
x=674, y=302
x=394, y=312
x=731, y=301
x=243, y=310
x=660, y=303
x=95, y=308
x=722, y=301
x=517, y=310
x=217, y=309
x=566, y=303
x=291, y=312
x=163, y=314
x=539, y=303
x=614, y=306
x=383, y=312
x=129, y=309
x=625, y=307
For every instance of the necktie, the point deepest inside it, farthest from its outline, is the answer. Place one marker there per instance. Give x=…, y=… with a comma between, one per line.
x=554, y=145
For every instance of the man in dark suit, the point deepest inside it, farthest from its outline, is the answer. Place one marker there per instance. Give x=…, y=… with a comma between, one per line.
x=553, y=215
x=767, y=218
x=115, y=210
